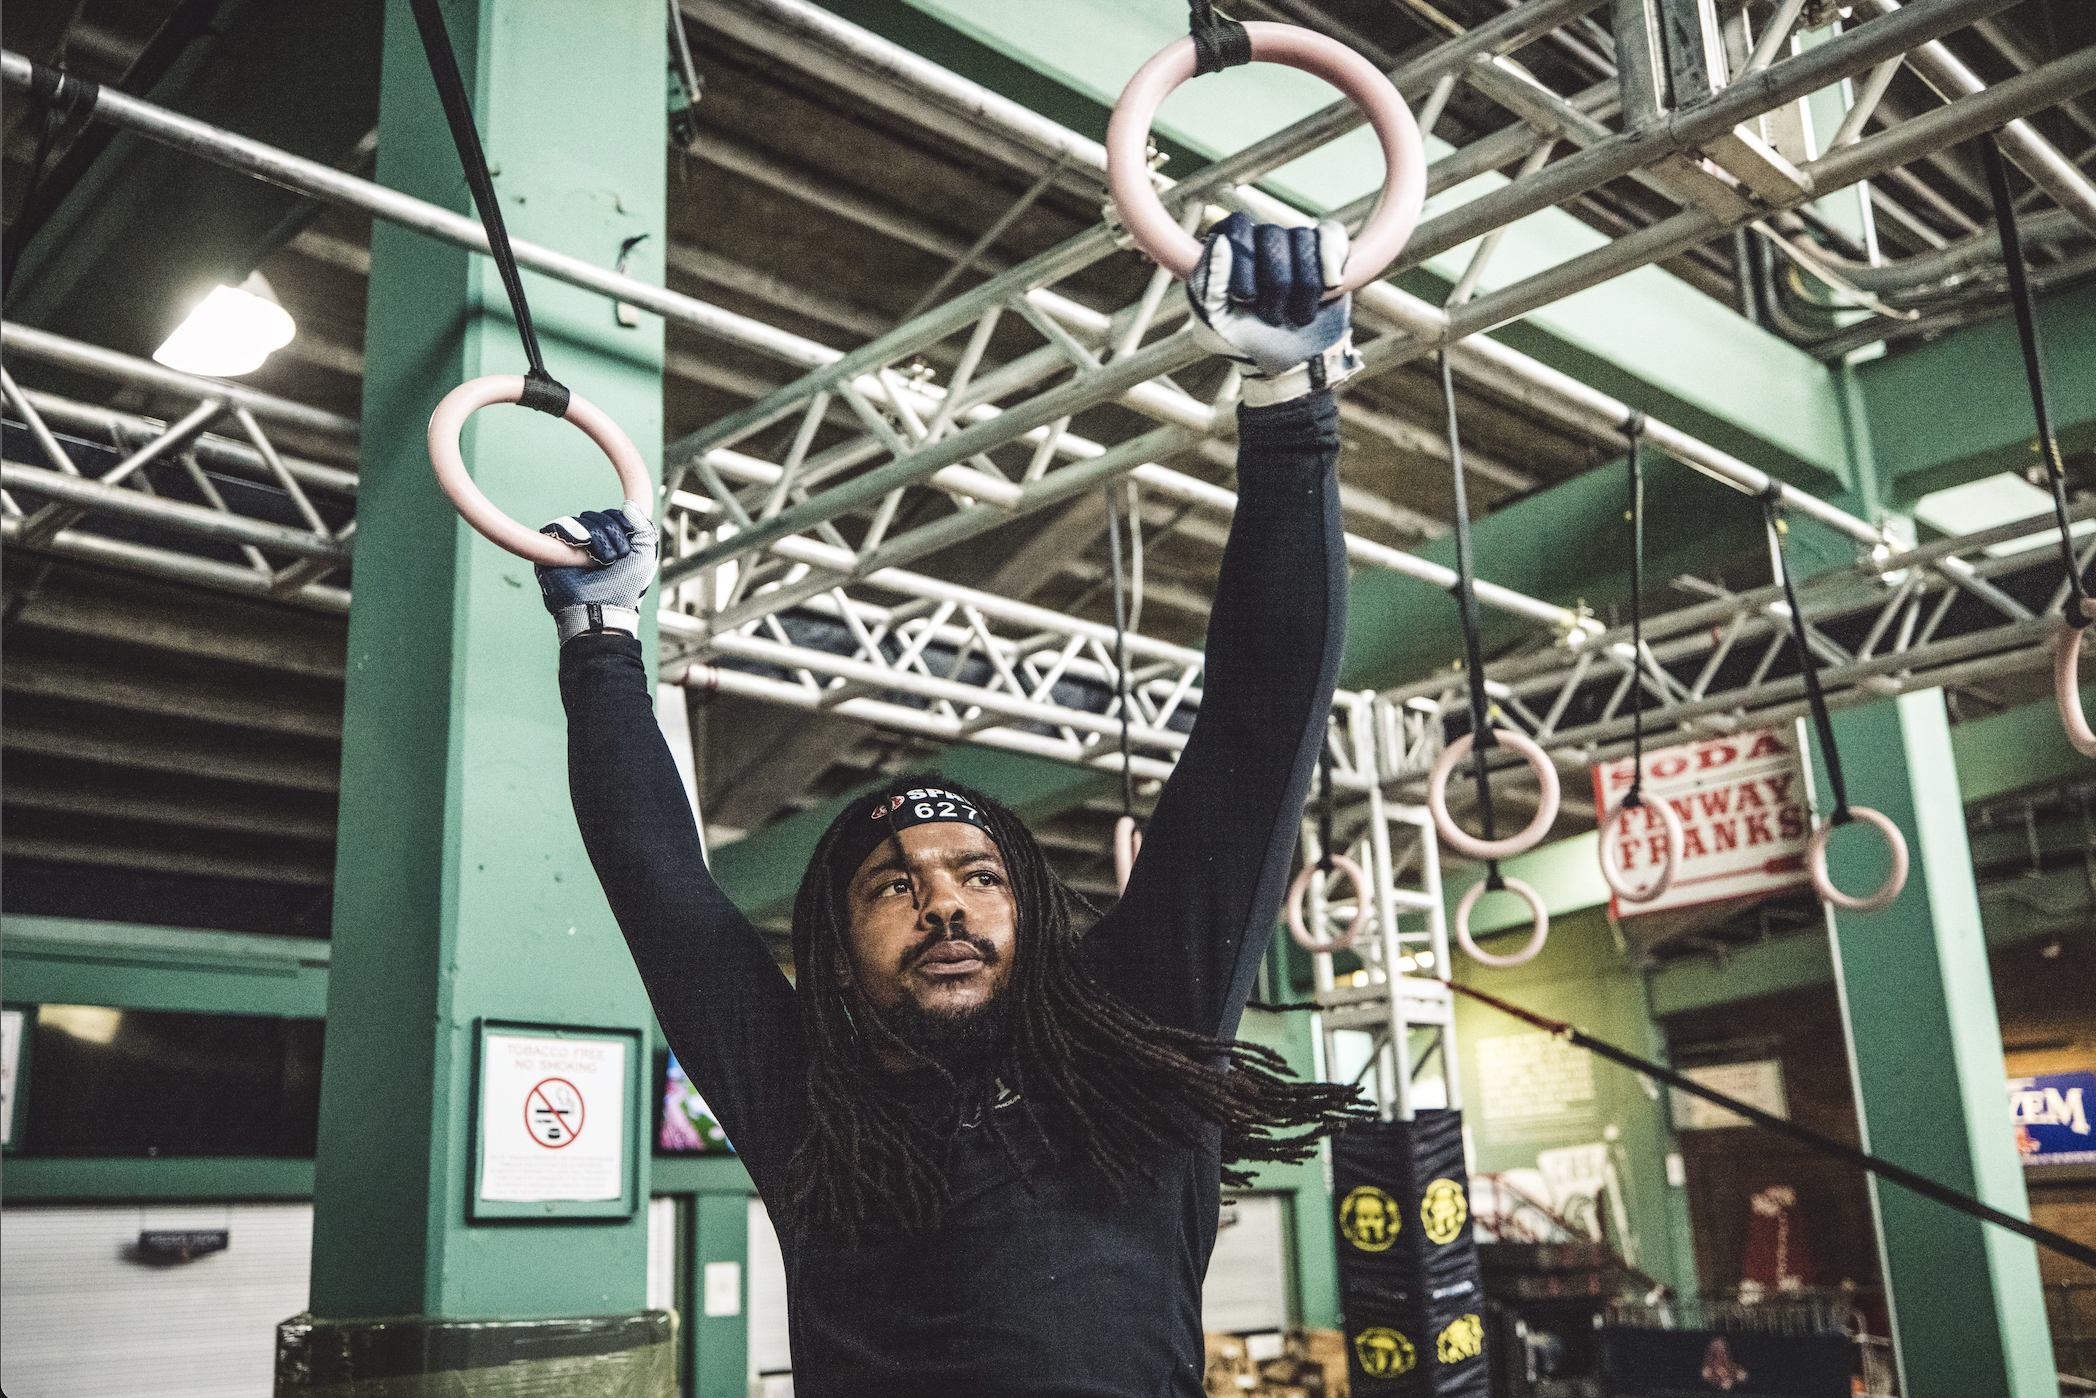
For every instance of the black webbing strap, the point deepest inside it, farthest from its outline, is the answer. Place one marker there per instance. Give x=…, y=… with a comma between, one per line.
x=1120, y=601
x=1822, y=722
x=1219, y=41
x=541, y=390
x=1324, y=806
x=1466, y=609
x=1811, y=1140
x=1635, y=797
x=62, y=104
x=2034, y=368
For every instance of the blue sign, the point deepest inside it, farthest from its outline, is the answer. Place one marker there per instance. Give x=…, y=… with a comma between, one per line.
x=2051, y=1114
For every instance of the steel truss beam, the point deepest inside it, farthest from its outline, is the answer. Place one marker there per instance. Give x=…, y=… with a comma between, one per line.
x=1956, y=611
x=287, y=562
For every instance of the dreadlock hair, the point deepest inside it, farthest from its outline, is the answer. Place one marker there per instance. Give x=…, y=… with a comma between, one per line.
x=1118, y=1086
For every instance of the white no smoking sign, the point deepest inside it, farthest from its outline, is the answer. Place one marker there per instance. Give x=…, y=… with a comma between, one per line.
x=553, y=1118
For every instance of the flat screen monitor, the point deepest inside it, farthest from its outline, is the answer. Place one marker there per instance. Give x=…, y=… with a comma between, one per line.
x=688, y=1126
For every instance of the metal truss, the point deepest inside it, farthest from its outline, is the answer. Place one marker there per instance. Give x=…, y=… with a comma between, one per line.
x=170, y=498
x=1957, y=611
x=1375, y=744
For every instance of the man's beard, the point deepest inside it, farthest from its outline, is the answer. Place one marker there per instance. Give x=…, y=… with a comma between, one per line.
x=964, y=1042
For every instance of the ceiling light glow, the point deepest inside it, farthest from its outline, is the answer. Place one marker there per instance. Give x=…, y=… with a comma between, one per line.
x=232, y=331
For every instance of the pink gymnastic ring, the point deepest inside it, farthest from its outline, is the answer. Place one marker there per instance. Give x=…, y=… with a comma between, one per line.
x=1297, y=930
x=1460, y=839
x=1816, y=858
x=476, y=509
x=1404, y=179
x=2066, y=684
x=1128, y=843
x=1613, y=876
x=1536, y=937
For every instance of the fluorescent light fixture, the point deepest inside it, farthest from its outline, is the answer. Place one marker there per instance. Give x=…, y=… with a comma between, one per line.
x=230, y=332
x=95, y=1024
x=1982, y=504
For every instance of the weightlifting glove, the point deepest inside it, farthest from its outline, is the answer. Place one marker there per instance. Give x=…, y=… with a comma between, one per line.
x=1257, y=296
x=603, y=594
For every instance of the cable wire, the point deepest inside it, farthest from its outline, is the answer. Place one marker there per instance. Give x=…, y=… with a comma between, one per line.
x=1635, y=797
x=1812, y=1140
x=1466, y=609
x=1822, y=721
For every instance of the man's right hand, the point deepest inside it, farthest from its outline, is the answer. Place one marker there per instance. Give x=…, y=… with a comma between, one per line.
x=1258, y=300
x=603, y=594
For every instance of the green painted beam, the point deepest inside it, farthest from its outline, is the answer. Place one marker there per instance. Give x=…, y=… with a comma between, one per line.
x=149, y=230
x=72, y=961
x=1925, y=1053
x=462, y=890
x=31, y=1180
x=1958, y=408
x=762, y=871
x=2017, y=750
x=1768, y=968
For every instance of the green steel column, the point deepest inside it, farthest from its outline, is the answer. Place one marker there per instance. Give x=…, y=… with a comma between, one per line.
x=462, y=890
x=1925, y=1054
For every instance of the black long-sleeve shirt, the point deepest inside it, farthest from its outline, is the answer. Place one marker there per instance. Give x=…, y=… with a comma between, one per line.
x=1059, y=1288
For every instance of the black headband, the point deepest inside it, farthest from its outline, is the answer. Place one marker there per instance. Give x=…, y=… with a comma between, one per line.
x=872, y=820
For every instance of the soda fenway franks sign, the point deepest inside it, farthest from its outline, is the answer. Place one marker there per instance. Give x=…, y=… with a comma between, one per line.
x=1741, y=800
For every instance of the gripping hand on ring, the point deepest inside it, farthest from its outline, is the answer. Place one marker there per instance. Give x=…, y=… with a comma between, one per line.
x=1258, y=300
x=603, y=594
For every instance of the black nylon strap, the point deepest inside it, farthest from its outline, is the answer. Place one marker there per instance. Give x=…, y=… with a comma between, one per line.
x=1466, y=610
x=62, y=104
x=1822, y=722
x=1219, y=42
x=1120, y=603
x=541, y=390
x=2034, y=368
x=1324, y=807
x=1635, y=797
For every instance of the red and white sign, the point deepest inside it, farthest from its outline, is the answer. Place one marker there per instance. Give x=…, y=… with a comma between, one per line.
x=1744, y=828
x=553, y=1119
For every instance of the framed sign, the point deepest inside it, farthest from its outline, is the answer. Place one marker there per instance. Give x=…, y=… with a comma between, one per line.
x=2051, y=1116
x=558, y=1113
x=15, y=1022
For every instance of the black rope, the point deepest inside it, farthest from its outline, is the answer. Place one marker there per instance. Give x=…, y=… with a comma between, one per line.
x=1481, y=737
x=1219, y=41
x=1324, y=808
x=1822, y=721
x=1635, y=797
x=2034, y=368
x=1120, y=604
x=1812, y=1140
x=541, y=390
x=61, y=105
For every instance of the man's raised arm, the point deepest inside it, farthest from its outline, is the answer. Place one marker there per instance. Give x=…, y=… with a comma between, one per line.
x=728, y=1011
x=1184, y=943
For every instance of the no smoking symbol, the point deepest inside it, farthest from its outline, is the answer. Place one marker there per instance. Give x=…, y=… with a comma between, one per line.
x=553, y=1113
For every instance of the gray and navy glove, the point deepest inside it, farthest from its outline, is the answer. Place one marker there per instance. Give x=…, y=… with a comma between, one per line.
x=1257, y=295
x=604, y=594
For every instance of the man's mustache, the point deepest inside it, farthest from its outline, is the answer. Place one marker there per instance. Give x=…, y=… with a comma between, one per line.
x=922, y=949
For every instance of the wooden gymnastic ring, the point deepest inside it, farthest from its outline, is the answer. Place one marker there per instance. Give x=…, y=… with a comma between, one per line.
x=1613, y=876
x=1404, y=155
x=1128, y=843
x=1536, y=937
x=449, y=420
x=2066, y=683
x=1462, y=840
x=1362, y=904
x=1816, y=858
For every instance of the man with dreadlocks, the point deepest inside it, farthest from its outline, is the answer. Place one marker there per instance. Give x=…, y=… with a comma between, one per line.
x=991, y=1139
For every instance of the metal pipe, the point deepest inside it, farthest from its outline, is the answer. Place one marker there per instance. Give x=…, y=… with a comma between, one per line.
x=178, y=567
x=2020, y=142
x=332, y=186
x=102, y=363
x=179, y=515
